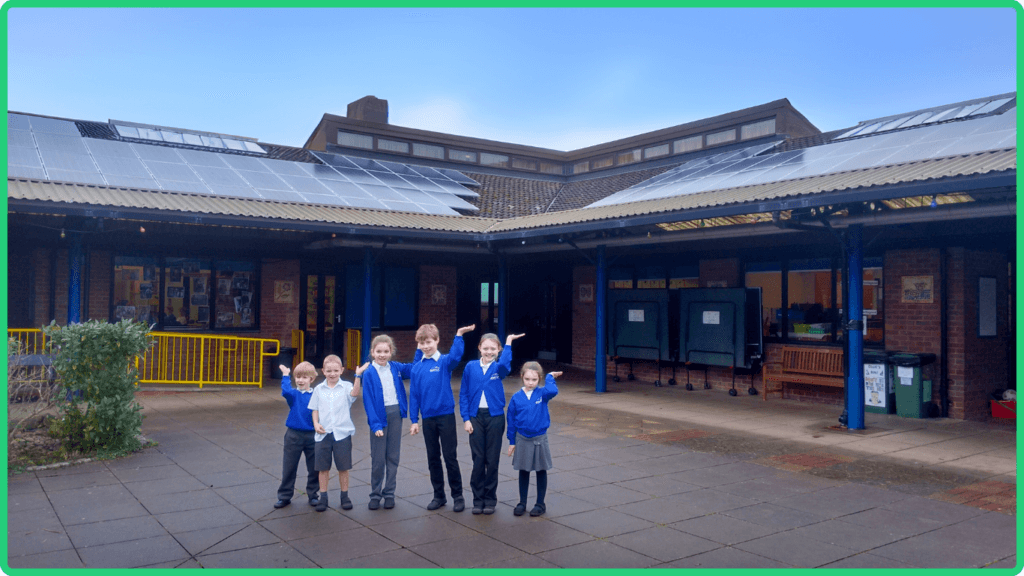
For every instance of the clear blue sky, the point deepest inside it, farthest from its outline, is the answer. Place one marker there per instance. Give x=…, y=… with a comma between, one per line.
x=555, y=78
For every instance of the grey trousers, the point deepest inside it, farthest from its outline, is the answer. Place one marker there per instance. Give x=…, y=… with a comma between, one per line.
x=384, y=453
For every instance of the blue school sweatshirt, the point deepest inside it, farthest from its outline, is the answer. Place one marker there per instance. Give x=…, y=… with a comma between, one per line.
x=476, y=382
x=373, y=394
x=430, y=383
x=300, y=417
x=529, y=416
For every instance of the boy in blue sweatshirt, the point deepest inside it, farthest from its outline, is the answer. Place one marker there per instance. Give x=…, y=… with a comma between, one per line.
x=430, y=393
x=298, y=439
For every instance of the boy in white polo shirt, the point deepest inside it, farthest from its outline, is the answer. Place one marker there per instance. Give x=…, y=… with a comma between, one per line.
x=332, y=421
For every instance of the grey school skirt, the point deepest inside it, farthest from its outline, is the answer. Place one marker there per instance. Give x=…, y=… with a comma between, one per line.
x=531, y=453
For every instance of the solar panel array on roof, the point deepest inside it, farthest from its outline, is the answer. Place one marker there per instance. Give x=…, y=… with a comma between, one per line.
x=176, y=137
x=50, y=149
x=953, y=112
x=746, y=168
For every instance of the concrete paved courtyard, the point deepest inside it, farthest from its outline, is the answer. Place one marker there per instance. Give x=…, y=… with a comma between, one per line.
x=643, y=477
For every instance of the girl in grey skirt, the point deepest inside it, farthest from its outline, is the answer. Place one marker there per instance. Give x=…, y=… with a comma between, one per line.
x=528, y=421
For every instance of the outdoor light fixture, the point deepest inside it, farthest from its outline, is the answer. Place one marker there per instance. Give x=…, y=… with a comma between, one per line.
x=934, y=204
x=62, y=234
x=142, y=230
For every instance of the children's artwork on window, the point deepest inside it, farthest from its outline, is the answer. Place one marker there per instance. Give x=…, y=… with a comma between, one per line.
x=223, y=287
x=146, y=291
x=246, y=316
x=240, y=282
x=200, y=300
x=225, y=318
x=175, y=275
x=147, y=273
x=203, y=314
x=199, y=285
x=124, y=312
x=175, y=291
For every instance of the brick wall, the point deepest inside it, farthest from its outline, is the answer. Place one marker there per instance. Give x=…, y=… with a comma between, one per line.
x=278, y=319
x=100, y=274
x=984, y=367
x=41, y=288
x=583, y=318
x=717, y=271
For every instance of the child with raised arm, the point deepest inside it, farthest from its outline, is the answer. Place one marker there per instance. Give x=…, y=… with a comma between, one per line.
x=528, y=422
x=430, y=392
x=482, y=405
x=299, y=437
x=331, y=404
x=385, y=403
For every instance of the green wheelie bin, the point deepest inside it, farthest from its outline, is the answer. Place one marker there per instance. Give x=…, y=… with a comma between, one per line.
x=913, y=391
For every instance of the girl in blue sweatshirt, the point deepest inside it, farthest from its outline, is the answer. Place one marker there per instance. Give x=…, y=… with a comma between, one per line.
x=528, y=421
x=386, y=406
x=482, y=405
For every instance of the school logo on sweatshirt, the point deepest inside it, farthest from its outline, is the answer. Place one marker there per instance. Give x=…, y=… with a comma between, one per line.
x=494, y=377
x=435, y=369
x=537, y=402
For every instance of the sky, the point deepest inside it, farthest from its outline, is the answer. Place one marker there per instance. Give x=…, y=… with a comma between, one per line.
x=553, y=78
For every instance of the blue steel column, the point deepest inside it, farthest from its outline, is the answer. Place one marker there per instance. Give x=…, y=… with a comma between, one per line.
x=600, y=368
x=502, y=298
x=855, y=382
x=74, y=278
x=367, y=304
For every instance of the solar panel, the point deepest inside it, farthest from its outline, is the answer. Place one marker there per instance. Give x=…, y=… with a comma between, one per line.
x=305, y=185
x=164, y=171
x=186, y=187
x=21, y=138
x=261, y=180
x=200, y=158
x=157, y=153
x=60, y=143
x=23, y=157
x=129, y=182
x=329, y=199
x=459, y=177
x=991, y=106
x=281, y=195
x=110, y=148
x=132, y=167
x=73, y=162
x=244, y=163
x=16, y=171
x=53, y=126
x=220, y=177
x=919, y=143
x=74, y=176
x=18, y=122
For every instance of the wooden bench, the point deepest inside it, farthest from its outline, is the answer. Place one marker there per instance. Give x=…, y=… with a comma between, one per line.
x=803, y=365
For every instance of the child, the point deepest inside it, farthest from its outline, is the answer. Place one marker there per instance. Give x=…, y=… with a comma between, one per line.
x=430, y=392
x=331, y=402
x=298, y=438
x=384, y=400
x=482, y=404
x=528, y=422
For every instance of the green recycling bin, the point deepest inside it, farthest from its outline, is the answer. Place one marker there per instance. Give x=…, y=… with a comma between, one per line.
x=913, y=392
x=879, y=396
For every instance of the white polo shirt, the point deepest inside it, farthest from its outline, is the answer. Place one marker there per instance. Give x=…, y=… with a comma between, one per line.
x=387, y=383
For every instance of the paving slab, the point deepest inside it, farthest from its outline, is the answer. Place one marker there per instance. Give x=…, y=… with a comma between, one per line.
x=794, y=550
x=133, y=553
x=114, y=531
x=664, y=544
x=270, y=556
x=333, y=549
x=466, y=552
x=723, y=529
x=597, y=554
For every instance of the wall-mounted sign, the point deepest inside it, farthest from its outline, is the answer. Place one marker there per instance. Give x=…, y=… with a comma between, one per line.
x=586, y=292
x=918, y=289
x=438, y=294
x=712, y=317
x=651, y=284
x=636, y=315
x=284, y=291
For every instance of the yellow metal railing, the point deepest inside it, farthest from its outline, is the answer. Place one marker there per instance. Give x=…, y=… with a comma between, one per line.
x=177, y=358
x=32, y=340
x=299, y=343
x=353, y=346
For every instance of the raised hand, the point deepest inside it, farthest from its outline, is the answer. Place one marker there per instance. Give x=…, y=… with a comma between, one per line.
x=285, y=370
x=465, y=329
x=511, y=337
x=555, y=374
x=361, y=369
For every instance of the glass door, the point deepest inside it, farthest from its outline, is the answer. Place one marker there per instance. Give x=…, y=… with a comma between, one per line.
x=321, y=317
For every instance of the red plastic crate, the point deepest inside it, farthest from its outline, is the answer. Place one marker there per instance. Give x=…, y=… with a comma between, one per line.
x=1004, y=408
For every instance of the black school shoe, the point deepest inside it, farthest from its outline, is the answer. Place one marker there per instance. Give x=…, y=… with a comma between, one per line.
x=538, y=510
x=321, y=504
x=520, y=509
x=374, y=504
x=346, y=504
x=459, y=505
x=389, y=503
x=435, y=504
x=282, y=503
x=313, y=501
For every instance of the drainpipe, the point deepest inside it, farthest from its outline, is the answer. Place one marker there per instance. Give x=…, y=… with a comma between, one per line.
x=855, y=377
x=367, y=304
x=502, y=298
x=74, y=278
x=943, y=336
x=600, y=371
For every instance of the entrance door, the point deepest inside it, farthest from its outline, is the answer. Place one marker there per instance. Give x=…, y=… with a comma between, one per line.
x=321, y=316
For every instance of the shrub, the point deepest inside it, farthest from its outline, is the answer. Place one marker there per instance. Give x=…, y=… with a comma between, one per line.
x=31, y=393
x=96, y=362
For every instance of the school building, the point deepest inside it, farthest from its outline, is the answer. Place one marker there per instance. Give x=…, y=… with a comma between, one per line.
x=207, y=233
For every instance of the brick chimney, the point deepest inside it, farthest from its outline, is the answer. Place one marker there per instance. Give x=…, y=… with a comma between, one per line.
x=370, y=109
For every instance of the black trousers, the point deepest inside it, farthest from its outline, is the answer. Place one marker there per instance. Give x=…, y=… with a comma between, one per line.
x=440, y=436
x=298, y=443
x=485, y=445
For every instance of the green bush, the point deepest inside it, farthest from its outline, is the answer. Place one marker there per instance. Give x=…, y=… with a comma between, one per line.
x=96, y=363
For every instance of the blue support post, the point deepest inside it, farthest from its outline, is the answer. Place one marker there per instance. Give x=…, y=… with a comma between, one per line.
x=600, y=368
x=855, y=380
x=502, y=298
x=367, y=304
x=74, y=278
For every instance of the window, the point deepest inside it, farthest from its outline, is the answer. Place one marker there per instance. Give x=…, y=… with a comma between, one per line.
x=137, y=289
x=524, y=164
x=688, y=144
x=758, y=129
x=722, y=137
x=186, y=293
x=396, y=286
x=655, y=151
x=493, y=160
x=603, y=163
x=650, y=277
x=684, y=277
x=392, y=146
x=462, y=156
x=628, y=157
x=549, y=168
x=353, y=140
x=620, y=278
x=427, y=151
x=580, y=167
x=811, y=298
x=235, y=291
